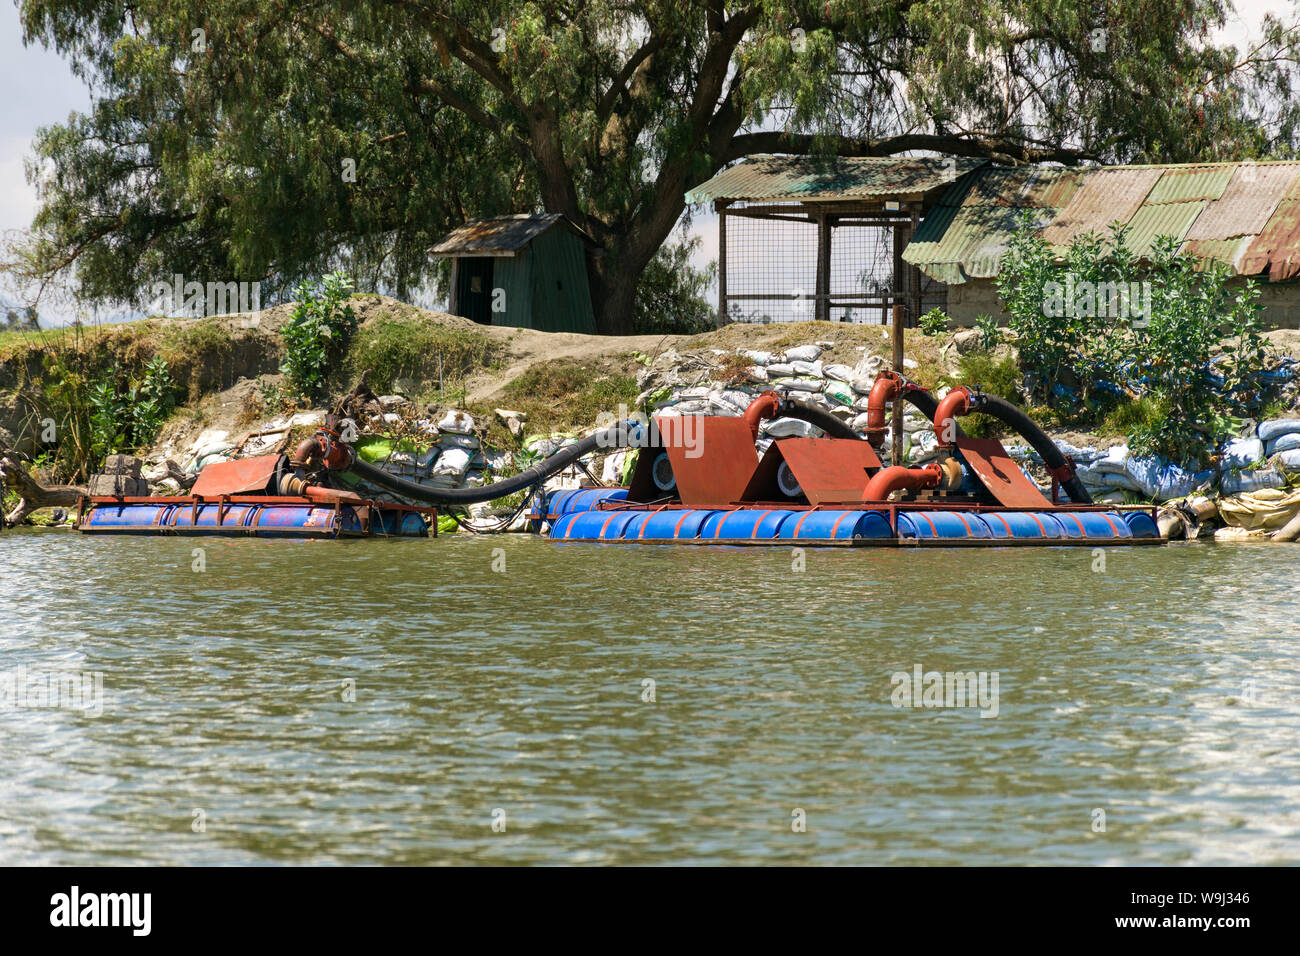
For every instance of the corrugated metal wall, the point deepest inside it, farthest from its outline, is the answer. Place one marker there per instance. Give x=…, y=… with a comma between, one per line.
x=561, y=299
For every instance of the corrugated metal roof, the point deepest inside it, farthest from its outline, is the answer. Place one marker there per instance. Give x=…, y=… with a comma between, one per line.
x=1246, y=205
x=823, y=179
x=1106, y=196
x=1206, y=205
x=952, y=245
x=1227, y=251
x=1161, y=219
x=1277, y=248
x=499, y=236
x=1187, y=183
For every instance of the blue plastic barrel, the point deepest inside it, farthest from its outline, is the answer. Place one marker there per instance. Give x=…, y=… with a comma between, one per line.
x=943, y=524
x=672, y=524
x=1141, y=524
x=833, y=525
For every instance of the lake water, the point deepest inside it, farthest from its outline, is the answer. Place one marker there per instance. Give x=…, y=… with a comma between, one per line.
x=510, y=687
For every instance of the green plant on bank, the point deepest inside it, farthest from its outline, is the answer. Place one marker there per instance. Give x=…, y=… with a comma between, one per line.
x=317, y=332
x=671, y=294
x=990, y=333
x=1085, y=327
x=934, y=322
x=996, y=376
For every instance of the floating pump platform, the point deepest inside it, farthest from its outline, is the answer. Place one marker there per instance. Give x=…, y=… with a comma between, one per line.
x=270, y=496
x=699, y=480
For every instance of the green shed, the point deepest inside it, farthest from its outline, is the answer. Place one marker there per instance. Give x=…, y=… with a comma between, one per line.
x=527, y=271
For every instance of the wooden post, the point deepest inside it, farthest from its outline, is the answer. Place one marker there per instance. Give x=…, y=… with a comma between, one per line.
x=896, y=433
x=823, y=309
x=721, y=207
x=453, y=297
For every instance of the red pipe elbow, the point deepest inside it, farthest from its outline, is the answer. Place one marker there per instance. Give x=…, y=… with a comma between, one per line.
x=888, y=386
x=766, y=405
x=955, y=404
x=893, y=478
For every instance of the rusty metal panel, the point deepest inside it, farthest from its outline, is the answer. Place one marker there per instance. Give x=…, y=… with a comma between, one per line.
x=807, y=178
x=1162, y=219
x=1002, y=476
x=829, y=469
x=501, y=235
x=713, y=457
x=1208, y=251
x=1247, y=204
x=1190, y=183
x=236, y=477
x=1106, y=196
x=1277, y=248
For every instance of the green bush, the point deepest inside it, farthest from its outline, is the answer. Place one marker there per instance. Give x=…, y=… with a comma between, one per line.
x=317, y=332
x=1103, y=327
x=996, y=376
x=671, y=294
x=934, y=322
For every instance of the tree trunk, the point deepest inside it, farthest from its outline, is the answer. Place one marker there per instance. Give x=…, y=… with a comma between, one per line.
x=613, y=294
x=32, y=496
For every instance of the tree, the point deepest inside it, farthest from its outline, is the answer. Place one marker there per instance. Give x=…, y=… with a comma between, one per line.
x=269, y=140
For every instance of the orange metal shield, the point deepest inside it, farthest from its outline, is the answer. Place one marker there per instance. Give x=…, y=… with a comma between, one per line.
x=236, y=477
x=1002, y=476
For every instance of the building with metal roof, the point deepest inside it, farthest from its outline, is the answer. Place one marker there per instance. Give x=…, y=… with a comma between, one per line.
x=942, y=226
x=527, y=271
x=1245, y=215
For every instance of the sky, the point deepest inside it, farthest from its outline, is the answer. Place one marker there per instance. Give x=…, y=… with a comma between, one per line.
x=39, y=89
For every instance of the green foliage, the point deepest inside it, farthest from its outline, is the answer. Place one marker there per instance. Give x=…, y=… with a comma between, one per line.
x=298, y=133
x=990, y=333
x=1087, y=351
x=441, y=355
x=317, y=332
x=996, y=376
x=934, y=322
x=672, y=295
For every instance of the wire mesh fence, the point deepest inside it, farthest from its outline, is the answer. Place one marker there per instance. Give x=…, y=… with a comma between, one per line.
x=770, y=257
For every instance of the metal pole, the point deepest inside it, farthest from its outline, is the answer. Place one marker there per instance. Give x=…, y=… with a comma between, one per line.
x=896, y=433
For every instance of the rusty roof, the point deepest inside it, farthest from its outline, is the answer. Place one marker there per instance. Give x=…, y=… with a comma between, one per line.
x=1246, y=215
x=499, y=236
x=834, y=178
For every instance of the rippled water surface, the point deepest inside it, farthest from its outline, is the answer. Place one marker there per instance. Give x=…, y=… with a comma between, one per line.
x=1161, y=690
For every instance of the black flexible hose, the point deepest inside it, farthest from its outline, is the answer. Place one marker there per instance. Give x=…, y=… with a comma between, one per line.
x=813, y=415
x=616, y=436
x=1052, y=456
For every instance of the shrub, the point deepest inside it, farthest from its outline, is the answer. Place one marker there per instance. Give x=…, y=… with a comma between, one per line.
x=317, y=332
x=934, y=322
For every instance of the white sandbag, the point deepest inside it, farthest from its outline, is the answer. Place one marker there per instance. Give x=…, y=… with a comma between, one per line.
x=1241, y=452
x=456, y=421
x=861, y=422
x=800, y=384
x=789, y=428
x=809, y=369
x=454, y=440
x=1288, y=460
x=838, y=393
x=803, y=353
x=1282, y=443
x=841, y=373
x=780, y=370
x=758, y=358
x=1278, y=427
x=758, y=372
x=453, y=462
x=1248, y=480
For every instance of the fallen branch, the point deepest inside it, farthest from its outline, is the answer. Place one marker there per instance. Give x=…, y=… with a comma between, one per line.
x=31, y=495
